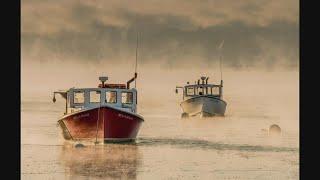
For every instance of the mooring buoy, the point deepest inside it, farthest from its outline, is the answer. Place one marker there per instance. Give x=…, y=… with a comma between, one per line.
x=274, y=129
x=79, y=145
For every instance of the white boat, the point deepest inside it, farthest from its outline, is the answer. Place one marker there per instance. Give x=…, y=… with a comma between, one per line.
x=202, y=99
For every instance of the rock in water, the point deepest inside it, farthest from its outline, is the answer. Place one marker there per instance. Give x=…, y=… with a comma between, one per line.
x=274, y=130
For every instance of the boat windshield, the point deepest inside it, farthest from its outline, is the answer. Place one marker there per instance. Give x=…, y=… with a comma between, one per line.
x=111, y=97
x=127, y=98
x=190, y=91
x=79, y=99
x=95, y=96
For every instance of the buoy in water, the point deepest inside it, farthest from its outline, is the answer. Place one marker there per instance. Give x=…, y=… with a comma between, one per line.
x=79, y=145
x=184, y=115
x=274, y=130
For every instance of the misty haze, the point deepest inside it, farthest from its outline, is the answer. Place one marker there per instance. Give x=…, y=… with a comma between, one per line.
x=67, y=44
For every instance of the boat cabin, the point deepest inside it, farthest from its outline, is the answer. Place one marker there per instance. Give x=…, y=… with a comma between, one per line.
x=201, y=89
x=114, y=95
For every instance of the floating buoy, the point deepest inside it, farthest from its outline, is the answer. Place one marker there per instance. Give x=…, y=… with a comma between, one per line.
x=274, y=130
x=184, y=115
x=79, y=145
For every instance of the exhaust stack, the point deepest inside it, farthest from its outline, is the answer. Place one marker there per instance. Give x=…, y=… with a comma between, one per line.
x=131, y=80
x=203, y=79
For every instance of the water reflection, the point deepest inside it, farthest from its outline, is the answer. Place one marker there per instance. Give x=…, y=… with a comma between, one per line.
x=116, y=161
x=208, y=145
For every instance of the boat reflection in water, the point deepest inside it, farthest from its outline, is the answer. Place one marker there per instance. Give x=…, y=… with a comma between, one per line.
x=116, y=161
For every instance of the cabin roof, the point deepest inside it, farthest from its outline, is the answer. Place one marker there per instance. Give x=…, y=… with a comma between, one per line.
x=101, y=89
x=118, y=86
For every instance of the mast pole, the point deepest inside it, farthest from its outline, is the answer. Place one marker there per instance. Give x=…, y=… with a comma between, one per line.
x=221, y=81
x=220, y=50
x=220, y=69
x=135, y=70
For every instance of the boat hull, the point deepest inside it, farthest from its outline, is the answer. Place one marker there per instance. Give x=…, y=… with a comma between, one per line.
x=105, y=123
x=204, y=106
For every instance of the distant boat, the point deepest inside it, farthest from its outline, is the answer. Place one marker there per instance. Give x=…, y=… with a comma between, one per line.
x=108, y=112
x=202, y=99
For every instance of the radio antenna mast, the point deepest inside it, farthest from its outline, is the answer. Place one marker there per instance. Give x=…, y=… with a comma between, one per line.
x=135, y=70
x=220, y=54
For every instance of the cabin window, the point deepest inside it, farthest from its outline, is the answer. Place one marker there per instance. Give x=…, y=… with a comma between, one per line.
x=111, y=97
x=95, y=96
x=127, y=97
x=215, y=91
x=200, y=91
x=78, y=97
x=190, y=91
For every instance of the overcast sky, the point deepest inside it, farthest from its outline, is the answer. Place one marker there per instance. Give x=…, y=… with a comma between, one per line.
x=173, y=33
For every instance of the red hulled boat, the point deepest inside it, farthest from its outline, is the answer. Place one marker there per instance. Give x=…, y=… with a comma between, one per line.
x=107, y=113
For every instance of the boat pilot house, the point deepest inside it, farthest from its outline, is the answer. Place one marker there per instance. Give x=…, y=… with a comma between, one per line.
x=202, y=89
x=94, y=97
x=196, y=90
x=114, y=95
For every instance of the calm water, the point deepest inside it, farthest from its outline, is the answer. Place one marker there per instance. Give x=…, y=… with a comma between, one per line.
x=236, y=146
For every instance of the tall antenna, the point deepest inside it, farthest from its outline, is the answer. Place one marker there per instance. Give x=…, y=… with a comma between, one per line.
x=220, y=49
x=135, y=70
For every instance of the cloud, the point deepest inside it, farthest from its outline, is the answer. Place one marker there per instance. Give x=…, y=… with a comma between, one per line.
x=174, y=33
